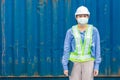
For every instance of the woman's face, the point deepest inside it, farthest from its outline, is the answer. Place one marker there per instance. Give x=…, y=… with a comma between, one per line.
x=82, y=19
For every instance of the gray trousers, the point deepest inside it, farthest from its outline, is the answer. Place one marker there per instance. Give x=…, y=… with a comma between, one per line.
x=82, y=71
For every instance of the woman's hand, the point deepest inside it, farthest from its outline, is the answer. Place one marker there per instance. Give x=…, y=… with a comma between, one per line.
x=95, y=72
x=66, y=72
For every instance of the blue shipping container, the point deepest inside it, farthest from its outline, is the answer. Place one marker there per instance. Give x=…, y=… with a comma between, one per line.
x=32, y=35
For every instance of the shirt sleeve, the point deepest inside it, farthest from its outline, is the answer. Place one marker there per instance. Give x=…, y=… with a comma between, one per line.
x=66, y=51
x=97, y=50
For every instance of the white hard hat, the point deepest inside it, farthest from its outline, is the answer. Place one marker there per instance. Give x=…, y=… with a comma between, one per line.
x=82, y=10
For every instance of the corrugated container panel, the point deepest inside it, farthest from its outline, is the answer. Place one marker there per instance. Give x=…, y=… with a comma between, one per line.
x=7, y=38
x=115, y=59
x=0, y=38
x=103, y=23
x=32, y=35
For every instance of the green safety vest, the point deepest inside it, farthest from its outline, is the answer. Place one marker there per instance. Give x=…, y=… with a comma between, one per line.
x=82, y=51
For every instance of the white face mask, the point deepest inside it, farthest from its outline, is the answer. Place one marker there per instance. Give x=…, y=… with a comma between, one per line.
x=82, y=21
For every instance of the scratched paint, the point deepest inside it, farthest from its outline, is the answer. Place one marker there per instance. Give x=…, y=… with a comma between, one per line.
x=3, y=37
x=33, y=32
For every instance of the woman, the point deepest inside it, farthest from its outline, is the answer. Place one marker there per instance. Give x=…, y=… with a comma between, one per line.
x=82, y=47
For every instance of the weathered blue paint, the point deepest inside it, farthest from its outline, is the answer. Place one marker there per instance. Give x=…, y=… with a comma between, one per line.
x=0, y=37
x=32, y=35
x=115, y=51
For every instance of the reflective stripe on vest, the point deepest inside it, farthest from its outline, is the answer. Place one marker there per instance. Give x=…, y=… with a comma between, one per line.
x=82, y=49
